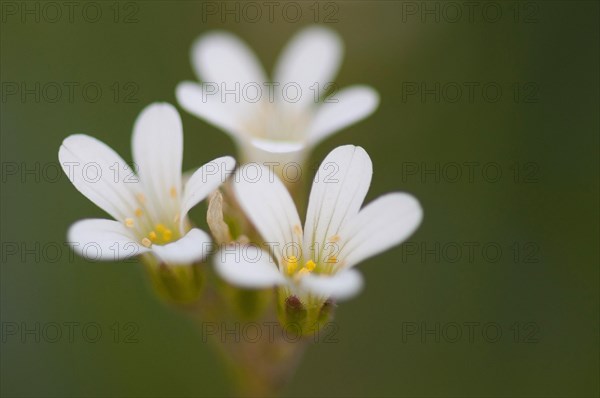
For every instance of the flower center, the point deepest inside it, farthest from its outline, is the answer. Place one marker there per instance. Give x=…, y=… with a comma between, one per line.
x=159, y=233
x=272, y=123
x=292, y=268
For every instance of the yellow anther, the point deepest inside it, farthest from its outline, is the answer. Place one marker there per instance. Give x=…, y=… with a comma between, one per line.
x=167, y=235
x=152, y=236
x=141, y=198
x=146, y=242
x=302, y=272
x=291, y=268
x=129, y=222
x=310, y=265
x=292, y=264
x=160, y=228
x=298, y=229
x=173, y=192
x=332, y=260
x=334, y=238
x=138, y=212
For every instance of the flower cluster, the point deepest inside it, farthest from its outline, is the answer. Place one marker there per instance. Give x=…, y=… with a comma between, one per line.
x=261, y=240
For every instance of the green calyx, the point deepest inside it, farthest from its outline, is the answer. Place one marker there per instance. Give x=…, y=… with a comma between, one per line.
x=304, y=317
x=176, y=284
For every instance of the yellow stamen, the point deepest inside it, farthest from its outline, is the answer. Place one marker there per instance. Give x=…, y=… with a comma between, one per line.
x=310, y=265
x=173, y=192
x=146, y=242
x=302, y=272
x=332, y=260
x=129, y=222
x=291, y=264
x=160, y=235
x=298, y=230
x=334, y=238
x=141, y=198
x=167, y=235
x=138, y=212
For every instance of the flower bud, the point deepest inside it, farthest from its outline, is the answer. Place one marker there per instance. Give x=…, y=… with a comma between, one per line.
x=214, y=217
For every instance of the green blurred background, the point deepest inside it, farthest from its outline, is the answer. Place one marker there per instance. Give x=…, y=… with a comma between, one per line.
x=543, y=285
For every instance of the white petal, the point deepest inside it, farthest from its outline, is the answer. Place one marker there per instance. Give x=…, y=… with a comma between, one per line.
x=278, y=153
x=339, y=188
x=247, y=266
x=353, y=104
x=157, y=144
x=209, y=107
x=382, y=224
x=277, y=146
x=340, y=286
x=193, y=247
x=99, y=174
x=97, y=239
x=186, y=175
x=221, y=57
x=312, y=56
x=269, y=206
x=205, y=180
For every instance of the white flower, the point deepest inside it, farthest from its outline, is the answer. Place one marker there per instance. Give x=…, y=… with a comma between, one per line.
x=150, y=208
x=280, y=123
x=316, y=262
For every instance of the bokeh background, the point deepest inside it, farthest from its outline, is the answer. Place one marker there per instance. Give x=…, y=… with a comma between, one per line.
x=542, y=212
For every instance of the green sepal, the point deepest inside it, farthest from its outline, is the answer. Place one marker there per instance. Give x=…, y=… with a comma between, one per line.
x=247, y=304
x=176, y=284
x=304, y=316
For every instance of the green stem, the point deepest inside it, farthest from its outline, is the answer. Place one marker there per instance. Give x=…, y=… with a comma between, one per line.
x=259, y=365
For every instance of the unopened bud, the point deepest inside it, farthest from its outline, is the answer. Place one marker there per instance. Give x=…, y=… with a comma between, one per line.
x=214, y=218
